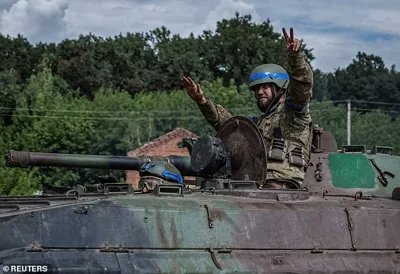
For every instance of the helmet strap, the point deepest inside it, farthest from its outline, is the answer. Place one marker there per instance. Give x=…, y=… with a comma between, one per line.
x=278, y=96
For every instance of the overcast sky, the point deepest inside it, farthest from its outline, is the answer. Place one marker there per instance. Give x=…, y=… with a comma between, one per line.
x=336, y=29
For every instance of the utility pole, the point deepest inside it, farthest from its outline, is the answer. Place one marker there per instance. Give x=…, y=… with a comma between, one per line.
x=348, y=122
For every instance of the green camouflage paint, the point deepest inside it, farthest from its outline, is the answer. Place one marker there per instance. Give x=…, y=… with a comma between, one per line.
x=356, y=172
x=351, y=171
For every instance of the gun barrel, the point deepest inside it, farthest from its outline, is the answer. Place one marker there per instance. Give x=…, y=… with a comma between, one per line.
x=26, y=159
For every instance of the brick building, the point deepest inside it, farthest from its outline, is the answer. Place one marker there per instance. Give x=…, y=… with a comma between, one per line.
x=164, y=145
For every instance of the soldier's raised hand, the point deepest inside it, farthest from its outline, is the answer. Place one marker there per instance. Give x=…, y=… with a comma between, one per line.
x=193, y=90
x=292, y=44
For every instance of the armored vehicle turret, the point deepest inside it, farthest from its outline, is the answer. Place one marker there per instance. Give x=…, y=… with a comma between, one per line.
x=344, y=219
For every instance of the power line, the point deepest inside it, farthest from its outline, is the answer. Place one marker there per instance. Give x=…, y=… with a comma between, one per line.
x=349, y=108
x=376, y=103
x=122, y=111
x=186, y=111
x=100, y=118
x=126, y=118
x=145, y=110
x=180, y=110
x=377, y=110
x=126, y=112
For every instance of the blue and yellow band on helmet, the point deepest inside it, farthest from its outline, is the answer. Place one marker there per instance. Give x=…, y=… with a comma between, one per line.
x=173, y=176
x=268, y=75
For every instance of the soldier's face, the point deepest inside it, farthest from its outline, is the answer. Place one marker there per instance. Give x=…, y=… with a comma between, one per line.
x=264, y=94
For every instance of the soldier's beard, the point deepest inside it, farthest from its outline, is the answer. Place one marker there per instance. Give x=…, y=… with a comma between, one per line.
x=266, y=105
x=263, y=106
x=269, y=105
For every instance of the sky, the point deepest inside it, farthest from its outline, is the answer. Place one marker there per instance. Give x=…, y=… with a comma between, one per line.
x=335, y=29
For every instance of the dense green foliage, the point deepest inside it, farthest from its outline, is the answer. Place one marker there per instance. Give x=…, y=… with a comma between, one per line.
x=108, y=96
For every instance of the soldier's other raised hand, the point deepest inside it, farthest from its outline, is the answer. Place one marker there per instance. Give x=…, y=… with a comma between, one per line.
x=292, y=44
x=193, y=90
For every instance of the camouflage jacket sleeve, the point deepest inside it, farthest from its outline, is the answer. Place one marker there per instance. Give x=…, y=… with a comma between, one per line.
x=301, y=82
x=215, y=114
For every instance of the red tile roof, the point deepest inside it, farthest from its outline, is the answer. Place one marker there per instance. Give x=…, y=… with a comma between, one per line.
x=178, y=132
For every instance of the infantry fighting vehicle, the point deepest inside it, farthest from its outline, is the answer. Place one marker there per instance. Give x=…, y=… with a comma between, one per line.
x=345, y=219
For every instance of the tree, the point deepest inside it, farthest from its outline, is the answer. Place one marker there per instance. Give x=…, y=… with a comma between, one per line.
x=83, y=64
x=365, y=79
x=178, y=57
x=239, y=45
x=16, y=56
x=320, y=89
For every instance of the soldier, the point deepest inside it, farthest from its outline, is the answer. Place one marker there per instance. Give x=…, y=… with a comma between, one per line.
x=285, y=123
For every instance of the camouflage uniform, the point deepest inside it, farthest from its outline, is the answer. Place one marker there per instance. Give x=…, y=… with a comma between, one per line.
x=288, y=121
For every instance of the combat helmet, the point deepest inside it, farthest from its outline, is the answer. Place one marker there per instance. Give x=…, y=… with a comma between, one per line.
x=158, y=172
x=269, y=73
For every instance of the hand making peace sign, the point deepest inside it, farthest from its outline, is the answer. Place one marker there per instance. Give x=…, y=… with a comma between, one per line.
x=292, y=44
